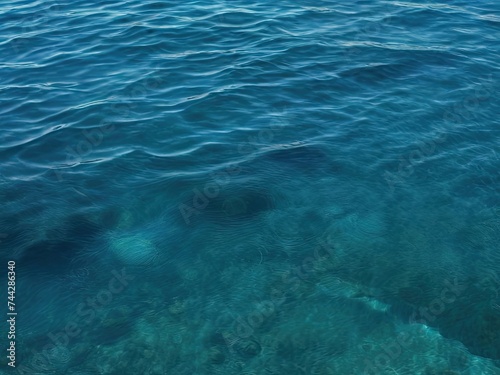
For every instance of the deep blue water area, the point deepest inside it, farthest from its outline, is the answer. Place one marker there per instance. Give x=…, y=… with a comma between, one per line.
x=251, y=187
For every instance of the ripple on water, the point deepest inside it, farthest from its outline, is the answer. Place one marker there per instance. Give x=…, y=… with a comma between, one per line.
x=277, y=125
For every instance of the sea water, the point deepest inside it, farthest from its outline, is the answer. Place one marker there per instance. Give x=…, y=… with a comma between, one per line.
x=250, y=187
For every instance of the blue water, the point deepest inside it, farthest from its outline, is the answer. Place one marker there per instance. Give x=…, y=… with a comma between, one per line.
x=246, y=187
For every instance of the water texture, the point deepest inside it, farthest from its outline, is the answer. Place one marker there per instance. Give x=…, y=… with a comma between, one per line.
x=246, y=187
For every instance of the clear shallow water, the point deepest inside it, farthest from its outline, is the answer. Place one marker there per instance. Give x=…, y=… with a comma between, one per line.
x=252, y=188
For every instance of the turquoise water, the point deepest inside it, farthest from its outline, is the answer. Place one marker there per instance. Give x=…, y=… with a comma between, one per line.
x=245, y=187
